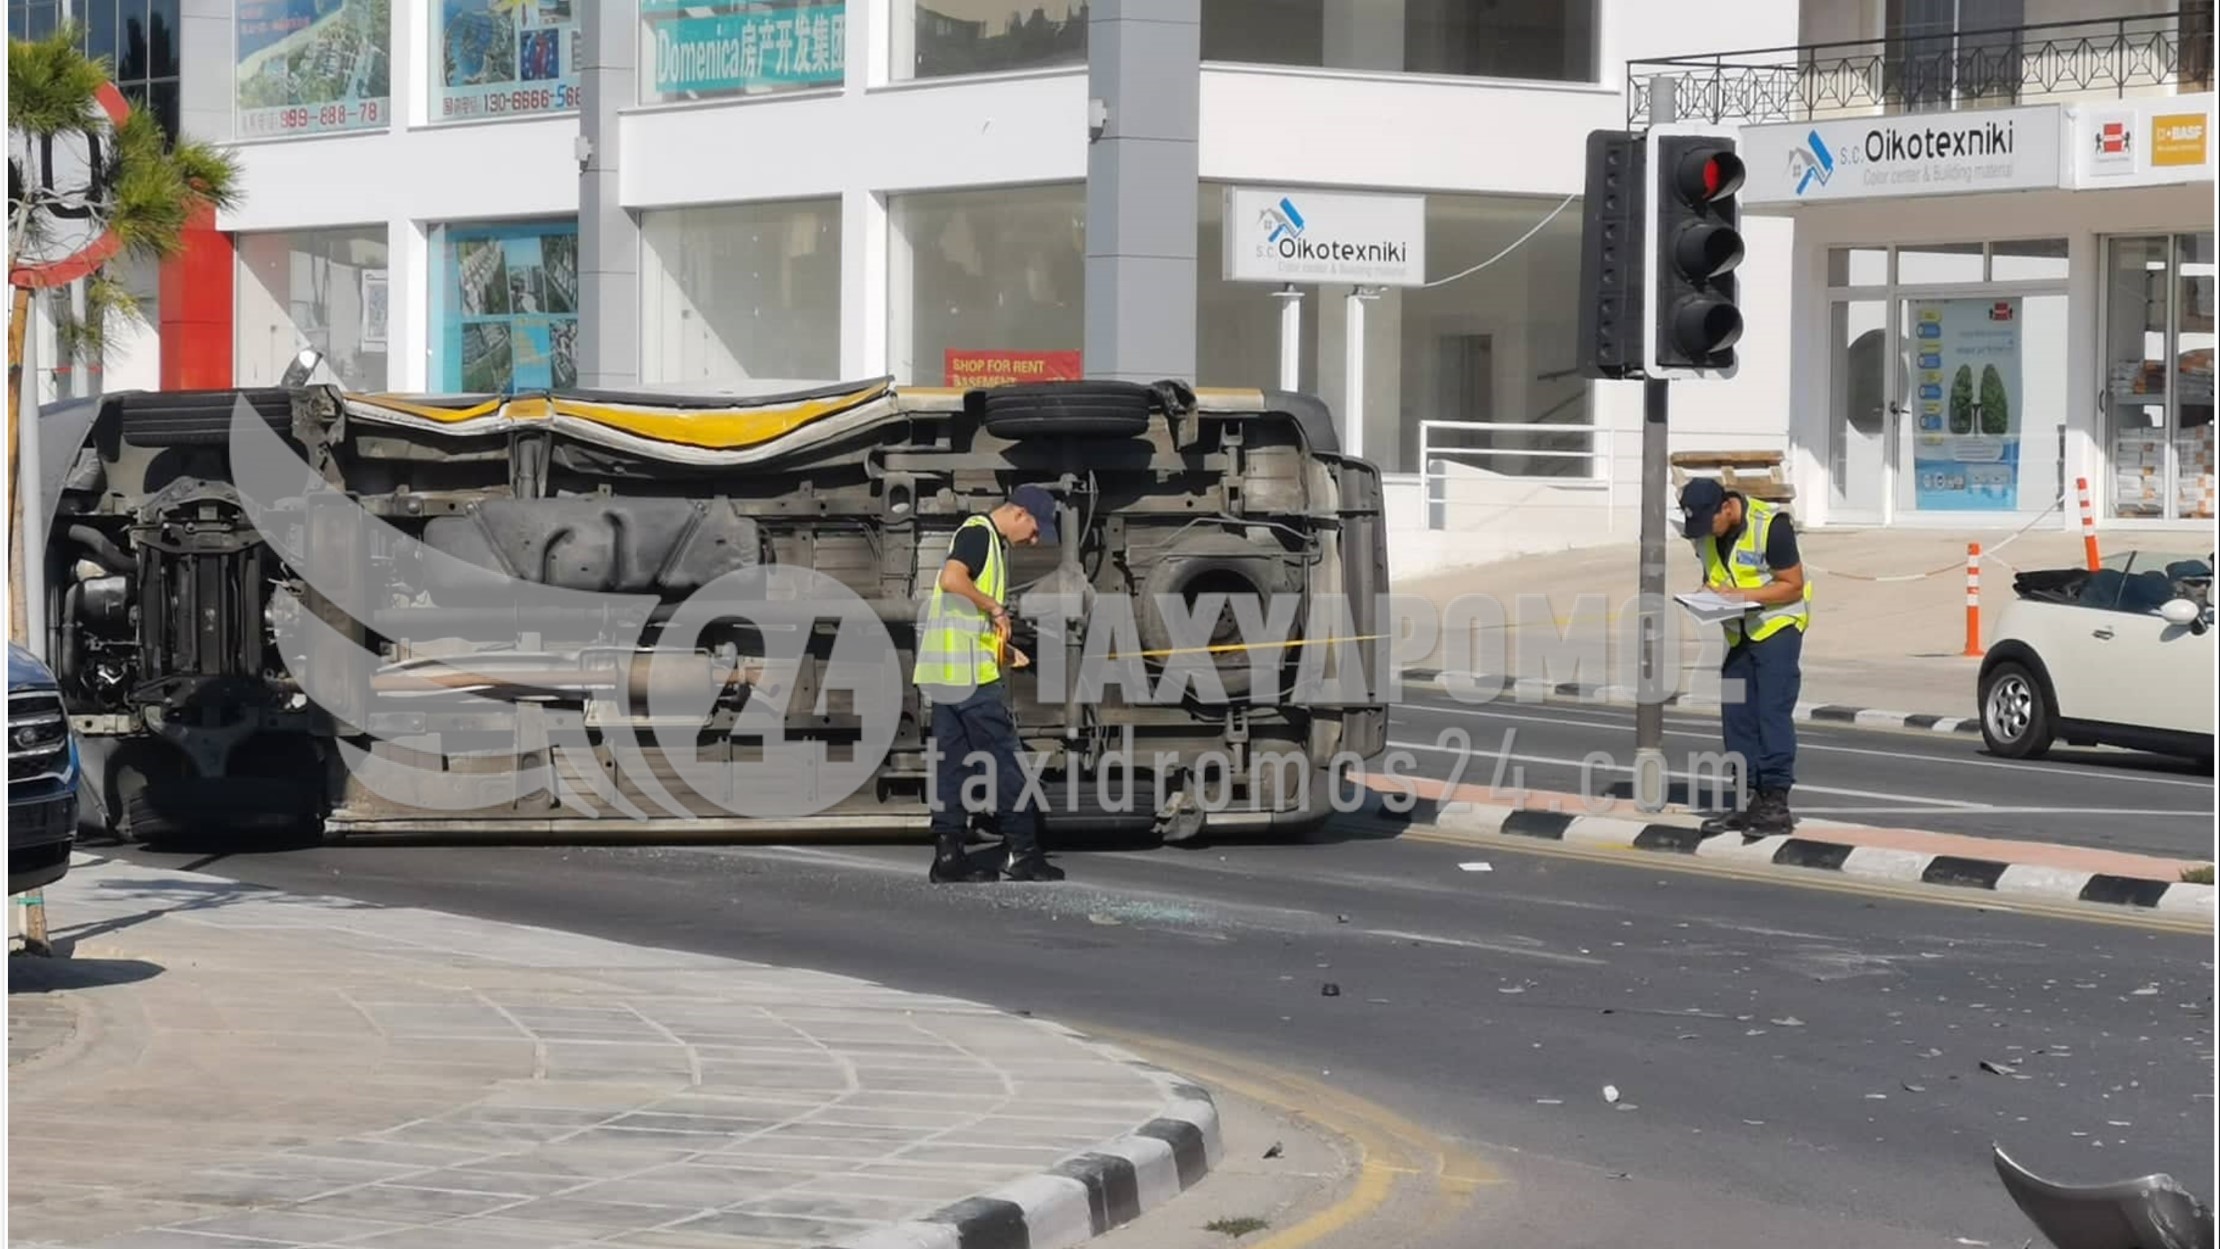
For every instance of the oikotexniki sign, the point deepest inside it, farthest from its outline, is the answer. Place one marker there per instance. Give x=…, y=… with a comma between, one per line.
x=1314, y=236
x=1891, y=157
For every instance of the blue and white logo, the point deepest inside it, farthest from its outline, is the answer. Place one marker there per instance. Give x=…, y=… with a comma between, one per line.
x=1811, y=163
x=1282, y=221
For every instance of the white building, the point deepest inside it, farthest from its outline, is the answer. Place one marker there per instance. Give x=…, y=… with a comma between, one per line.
x=783, y=190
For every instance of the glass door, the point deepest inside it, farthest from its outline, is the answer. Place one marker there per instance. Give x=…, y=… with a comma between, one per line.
x=2158, y=377
x=1985, y=401
x=1862, y=423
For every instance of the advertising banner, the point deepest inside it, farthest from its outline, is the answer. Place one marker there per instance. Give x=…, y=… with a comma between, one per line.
x=1313, y=236
x=509, y=308
x=972, y=370
x=312, y=66
x=499, y=58
x=694, y=50
x=1966, y=447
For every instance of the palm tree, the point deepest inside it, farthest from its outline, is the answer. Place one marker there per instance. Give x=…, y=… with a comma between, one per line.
x=148, y=189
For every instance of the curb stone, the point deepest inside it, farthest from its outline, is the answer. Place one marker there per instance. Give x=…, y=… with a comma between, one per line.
x=1453, y=683
x=1876, y=863
x=1086, y=1194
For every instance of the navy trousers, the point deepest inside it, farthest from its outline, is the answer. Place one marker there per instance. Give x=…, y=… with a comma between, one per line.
x=1761, y=726
x=972, y=733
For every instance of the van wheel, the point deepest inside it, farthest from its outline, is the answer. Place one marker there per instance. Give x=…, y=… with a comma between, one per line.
x=1068, y=410
x=1212, y=563
x=2016, y=717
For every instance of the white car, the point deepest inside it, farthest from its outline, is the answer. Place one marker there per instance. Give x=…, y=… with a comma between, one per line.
x=2122, y=656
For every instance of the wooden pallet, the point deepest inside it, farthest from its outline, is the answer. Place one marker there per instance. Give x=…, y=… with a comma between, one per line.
x=1752, y=474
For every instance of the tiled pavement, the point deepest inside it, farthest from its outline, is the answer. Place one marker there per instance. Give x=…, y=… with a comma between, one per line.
x=253, y=1070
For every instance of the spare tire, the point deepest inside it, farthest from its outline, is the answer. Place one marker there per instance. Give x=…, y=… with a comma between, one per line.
x=1221, y=563
x=1067, y=410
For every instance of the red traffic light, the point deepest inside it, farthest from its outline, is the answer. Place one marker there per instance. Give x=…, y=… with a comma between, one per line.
x=1705, y=175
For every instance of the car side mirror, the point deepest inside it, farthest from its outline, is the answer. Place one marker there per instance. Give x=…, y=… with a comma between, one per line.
x=2181, y=611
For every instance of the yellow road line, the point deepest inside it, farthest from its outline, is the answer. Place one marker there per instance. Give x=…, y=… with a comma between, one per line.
x=1809, y=878
x=1391, y=1149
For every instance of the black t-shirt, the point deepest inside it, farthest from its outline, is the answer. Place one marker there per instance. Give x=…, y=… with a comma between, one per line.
x=1780, y=544
x=970, y=549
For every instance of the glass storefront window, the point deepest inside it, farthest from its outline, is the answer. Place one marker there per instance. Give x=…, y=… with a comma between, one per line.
x=945, y=38
x=505, y=307
x=2028, y=260
x=741, y=292
x=505, y=58
x=1857, y=266
x=314, y=288
x=989, y=286
x=718, y=49
x=312, y=66
x=1939, y=262
x=1489, y=348
x=1548, y=40
x=2158, y=342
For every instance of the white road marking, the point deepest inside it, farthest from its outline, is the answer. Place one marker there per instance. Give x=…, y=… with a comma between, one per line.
x=1496, y=947
x=2083, y=773
x=1480, y=754
x=1803, y=810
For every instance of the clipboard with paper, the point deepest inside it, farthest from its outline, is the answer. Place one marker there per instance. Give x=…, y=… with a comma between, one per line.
x=1712, y=607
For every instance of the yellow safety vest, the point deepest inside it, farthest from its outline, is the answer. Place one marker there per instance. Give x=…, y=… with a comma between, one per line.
x=956, y=643
x=1749, y=571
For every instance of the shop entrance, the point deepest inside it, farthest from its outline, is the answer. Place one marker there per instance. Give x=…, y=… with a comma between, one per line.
x=1947, y=381
x=2158, y=339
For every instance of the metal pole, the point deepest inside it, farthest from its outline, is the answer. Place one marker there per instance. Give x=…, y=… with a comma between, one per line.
x=1291, y=337
x=1650, y=779
x=31, y=485
x=1353, y=354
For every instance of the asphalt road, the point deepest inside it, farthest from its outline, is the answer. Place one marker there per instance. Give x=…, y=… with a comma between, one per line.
x=2113, y=799
x=1793, y=1066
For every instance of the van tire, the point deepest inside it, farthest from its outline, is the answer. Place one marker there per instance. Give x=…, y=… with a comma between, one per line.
x=1234, y=563
x=1067, y=410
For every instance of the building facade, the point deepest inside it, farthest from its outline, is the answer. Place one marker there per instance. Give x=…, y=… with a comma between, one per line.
x=486, y=195
x=2003, y=269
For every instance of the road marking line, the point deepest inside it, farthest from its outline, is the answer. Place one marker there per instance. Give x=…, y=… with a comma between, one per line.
x=1492, y=946
x=2087, y=772
x=1804, y=811
x=1390, y=1149
x=1478, y=753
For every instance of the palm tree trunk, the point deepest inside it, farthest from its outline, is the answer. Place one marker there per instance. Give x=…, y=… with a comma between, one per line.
x=19, y=627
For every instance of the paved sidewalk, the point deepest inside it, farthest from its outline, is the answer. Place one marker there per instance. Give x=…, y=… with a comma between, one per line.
x=217, y=1066
x=1892, y=645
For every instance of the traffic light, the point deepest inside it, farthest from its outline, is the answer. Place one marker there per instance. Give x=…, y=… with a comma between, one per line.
x=1611, y=278
x=1694, y=244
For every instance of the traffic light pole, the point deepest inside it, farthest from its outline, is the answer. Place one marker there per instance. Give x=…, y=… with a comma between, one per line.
x=1651, y=777
x=1650, y=774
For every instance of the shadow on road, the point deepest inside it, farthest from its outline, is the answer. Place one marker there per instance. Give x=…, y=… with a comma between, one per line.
x=32, y=974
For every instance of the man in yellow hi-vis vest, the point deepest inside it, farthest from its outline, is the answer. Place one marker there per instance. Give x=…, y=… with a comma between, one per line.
x=1748, y=551
x=962, y=643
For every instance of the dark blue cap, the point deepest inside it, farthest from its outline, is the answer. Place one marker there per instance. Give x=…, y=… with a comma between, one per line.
x=1042, y=505
x=1700, y=500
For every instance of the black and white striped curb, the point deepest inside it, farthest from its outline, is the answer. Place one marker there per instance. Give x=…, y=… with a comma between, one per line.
x=1542, y=689
x=1086, y=1194
x=1877, y=863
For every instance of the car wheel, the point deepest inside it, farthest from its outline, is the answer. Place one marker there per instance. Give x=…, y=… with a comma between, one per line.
x=1068, y=410
x=2016, y=716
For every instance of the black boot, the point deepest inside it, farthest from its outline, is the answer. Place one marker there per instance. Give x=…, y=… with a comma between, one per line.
x=1031, y=864
x=951, y=866
x=1731, y=822
x=1769, y=816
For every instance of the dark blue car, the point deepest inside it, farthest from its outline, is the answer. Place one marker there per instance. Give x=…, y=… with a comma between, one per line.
x=42, y=776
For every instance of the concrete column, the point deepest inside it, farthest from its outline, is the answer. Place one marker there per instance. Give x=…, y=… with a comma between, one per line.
x=863, y=286
x=1144, y=68
x=608, y=236
x=206, y=57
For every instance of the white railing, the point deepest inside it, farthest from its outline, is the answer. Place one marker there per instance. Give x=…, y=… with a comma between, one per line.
x=1445, y=443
